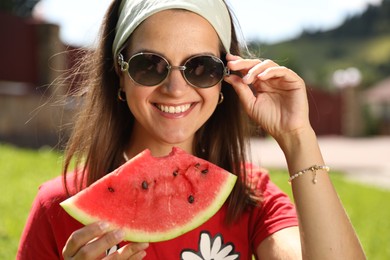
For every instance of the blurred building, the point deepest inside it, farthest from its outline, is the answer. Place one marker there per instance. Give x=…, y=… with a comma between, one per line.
x=377, y=98
x=32, y=58
x=325, y=111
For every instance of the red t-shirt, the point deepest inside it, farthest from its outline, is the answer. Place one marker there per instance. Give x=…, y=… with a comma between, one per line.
x=48, y=227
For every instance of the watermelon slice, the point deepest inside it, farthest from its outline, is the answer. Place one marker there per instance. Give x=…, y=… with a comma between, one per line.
x=154, y=198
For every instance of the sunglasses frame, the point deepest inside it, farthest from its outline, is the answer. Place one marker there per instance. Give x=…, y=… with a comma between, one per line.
x=124, y=66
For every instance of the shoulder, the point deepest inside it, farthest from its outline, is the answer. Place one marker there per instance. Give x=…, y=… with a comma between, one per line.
x=259, y=182
x=257, y=178
x=48, y=226
x=53, y=191
x=272, y=197
x=275, y=210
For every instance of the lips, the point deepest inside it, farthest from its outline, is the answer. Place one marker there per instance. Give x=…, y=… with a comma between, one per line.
x=173, y=109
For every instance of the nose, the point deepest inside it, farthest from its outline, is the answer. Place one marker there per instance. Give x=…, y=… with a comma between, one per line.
x=175, y=84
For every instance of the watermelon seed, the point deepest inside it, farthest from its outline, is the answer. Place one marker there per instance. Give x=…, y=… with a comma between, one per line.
x=191, y=199
x=144, y=185
x=110, y=189
x=175, y=173
x=205, y=171
x=197, y=165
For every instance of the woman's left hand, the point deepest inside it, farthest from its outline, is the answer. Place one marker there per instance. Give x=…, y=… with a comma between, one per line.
x=273, y=96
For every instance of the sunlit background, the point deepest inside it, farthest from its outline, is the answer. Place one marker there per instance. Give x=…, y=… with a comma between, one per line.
x=341, y=48
x=268, y=21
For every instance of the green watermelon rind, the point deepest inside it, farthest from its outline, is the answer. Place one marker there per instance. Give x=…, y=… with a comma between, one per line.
x=135, y=235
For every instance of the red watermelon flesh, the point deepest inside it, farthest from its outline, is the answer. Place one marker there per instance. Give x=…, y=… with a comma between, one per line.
x=154, y=198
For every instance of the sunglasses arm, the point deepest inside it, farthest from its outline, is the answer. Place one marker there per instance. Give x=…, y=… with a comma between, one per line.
x=226, y=71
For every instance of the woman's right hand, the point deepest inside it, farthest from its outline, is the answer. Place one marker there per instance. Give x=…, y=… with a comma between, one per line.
x=92, y=241
x=273, y=96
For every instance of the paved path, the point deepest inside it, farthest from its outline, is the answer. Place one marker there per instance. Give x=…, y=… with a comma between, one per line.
x=365, y=160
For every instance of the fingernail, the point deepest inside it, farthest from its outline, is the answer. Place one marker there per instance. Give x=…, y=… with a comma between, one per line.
x=104, y=226
x=247, y=76
x=119, y=234
x=143, y=246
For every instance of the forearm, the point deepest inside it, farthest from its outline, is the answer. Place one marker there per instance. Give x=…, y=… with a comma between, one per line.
x=326, y=232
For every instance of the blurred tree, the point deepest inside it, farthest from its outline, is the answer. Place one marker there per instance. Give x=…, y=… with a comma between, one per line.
x=374, y=20
x=21, y=8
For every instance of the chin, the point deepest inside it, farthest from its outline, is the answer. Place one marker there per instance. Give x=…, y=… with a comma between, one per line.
x=176, y=140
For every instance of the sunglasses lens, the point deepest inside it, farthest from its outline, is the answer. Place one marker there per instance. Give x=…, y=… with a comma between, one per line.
x=148, y=69
x=204, y=71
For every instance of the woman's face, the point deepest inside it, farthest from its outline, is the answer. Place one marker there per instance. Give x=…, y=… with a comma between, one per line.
x=169, y=114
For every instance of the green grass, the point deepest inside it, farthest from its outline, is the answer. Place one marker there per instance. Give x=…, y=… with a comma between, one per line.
x=21, y=172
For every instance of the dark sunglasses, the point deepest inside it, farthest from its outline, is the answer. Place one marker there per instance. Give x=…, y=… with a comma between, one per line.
x=150, y=69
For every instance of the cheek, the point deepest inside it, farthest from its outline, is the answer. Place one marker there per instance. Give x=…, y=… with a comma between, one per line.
x=211, y=95
x=135, y=95
x=132, y=91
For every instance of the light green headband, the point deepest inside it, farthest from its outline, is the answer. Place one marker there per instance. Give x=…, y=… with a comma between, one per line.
x=133, y=12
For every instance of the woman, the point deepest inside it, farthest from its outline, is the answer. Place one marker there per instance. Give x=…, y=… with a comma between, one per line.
x=160, y=78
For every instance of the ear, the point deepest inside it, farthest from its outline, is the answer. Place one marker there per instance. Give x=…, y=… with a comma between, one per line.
x=119, y=72
x=117, y=68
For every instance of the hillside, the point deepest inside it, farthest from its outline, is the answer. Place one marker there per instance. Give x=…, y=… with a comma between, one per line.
x=362, y=41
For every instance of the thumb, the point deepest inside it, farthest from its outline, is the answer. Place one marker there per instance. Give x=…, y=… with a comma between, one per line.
x=243, y=91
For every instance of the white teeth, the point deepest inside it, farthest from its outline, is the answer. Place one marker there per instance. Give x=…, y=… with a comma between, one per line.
x=174, y=109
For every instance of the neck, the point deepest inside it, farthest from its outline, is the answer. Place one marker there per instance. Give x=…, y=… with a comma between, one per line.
x=141, y=140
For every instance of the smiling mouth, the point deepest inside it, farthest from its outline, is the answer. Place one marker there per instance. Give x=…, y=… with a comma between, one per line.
x=173, y=109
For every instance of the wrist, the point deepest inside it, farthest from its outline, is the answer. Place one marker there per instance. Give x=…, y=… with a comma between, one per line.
x=290, y=141
x=300, y=149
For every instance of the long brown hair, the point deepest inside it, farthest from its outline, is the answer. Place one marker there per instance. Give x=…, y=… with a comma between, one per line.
x=102, y=129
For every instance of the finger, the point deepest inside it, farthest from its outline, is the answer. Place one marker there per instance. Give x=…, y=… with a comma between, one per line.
x=258, y=69
x=240, y=64
x=278, y=72
x=97, y=247
x=251, y=68
x=82, y=236
x=237, y=63
x=243, y=91
x=133, y=251
x=231, y=57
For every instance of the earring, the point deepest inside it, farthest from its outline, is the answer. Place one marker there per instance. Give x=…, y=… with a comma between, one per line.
x=220, y=98
x=120, y=95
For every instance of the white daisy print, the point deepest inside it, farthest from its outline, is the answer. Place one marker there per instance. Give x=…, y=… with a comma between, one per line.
x=211, y=249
